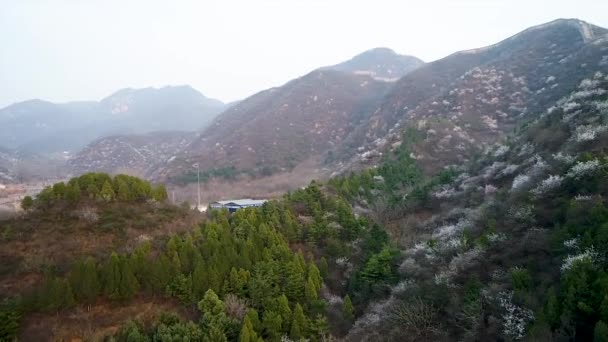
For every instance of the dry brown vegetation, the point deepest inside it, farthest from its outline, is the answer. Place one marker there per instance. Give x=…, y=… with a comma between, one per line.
x=98, y=321
x=29, y=244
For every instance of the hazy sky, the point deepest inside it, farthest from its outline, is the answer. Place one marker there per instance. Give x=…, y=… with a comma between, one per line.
x=62, y=50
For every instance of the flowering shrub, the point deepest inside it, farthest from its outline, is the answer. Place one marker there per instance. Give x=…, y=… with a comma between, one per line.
x=583, y=168
x=564, y=158
x=508, y=170
x=548, y=184
x=519, y=181
x=515, y=317
x=589, y=132
x=588, y=255
x=500, y=150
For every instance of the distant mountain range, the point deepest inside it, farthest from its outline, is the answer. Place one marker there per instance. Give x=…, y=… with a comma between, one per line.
x=45, y=127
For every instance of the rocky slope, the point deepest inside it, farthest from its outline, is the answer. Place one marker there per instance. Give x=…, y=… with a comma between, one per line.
x=130, y=154
x=468, y=100
x=277, y=129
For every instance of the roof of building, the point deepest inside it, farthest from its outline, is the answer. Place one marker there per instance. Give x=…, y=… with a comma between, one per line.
x=242, y=202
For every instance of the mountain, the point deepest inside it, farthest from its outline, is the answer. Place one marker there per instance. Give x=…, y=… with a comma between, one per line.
x=7, y=161
x=468, y=100
x=45, y=127
x=382, y=64
x=279, y=128
x=460, y=104
x=130, y=154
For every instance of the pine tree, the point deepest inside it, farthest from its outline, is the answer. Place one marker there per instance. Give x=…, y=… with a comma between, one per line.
x=310, y=291
x=252, y=314
x=272, y=324
x=107, y=193
x=200, y=282
x=319, y=327
x=294, y=286
x=123, y=193
x=604, y=309
x=248, y=333
x=27, y=203
x=128, y=285
x=84, y=280
x=283, y=310
x=111, y=277
x=600, y=333
x=348, y=311
x=323, y=267
x=72, y=194
x=298, y=323
x=315, y=274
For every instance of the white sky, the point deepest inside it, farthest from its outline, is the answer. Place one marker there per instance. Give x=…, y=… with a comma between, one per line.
x=63, y=50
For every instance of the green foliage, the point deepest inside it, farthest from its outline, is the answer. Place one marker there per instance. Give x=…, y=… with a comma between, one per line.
x=600, y=333
x=99, y=186
x=27, y=203
x=9, y=321
x=348, y=311
x=84, y=281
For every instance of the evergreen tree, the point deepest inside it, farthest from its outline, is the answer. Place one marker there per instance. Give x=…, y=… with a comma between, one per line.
x=111, y=277
x=310, y=291
x=200, y=282
x=272, y=324
x=84, y=280
x=128, y=285
x=600, y=333
x=72, y=194
x=107, y=193
x=298, y=323
x=323, y=268
x=348, y=311
x=247, y=332
x=315, y=274
x=27, y=203
x=283, y=309
x=294, y=286
x=319, y=327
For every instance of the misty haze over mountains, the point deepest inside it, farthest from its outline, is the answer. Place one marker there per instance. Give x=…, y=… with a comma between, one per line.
x=334, y=118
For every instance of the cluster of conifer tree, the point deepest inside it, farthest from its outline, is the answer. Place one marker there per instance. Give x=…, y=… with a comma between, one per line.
x=240, y=269
x=97, y=186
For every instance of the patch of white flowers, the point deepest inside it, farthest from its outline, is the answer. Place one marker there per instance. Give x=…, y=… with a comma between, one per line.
x=589, y=132
x=564, y=158
x=508, y=170
x=583, y=168
x=589, y=84
x=580, y=198
x=588, y=255
x=519, y=181
x=515, y=317
x=501, y=150
x=496, y=237
x=572, y=243
x=526, y=149
x=548, y=184
x=587, y=93
x=445, y=193
x=570, y=106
